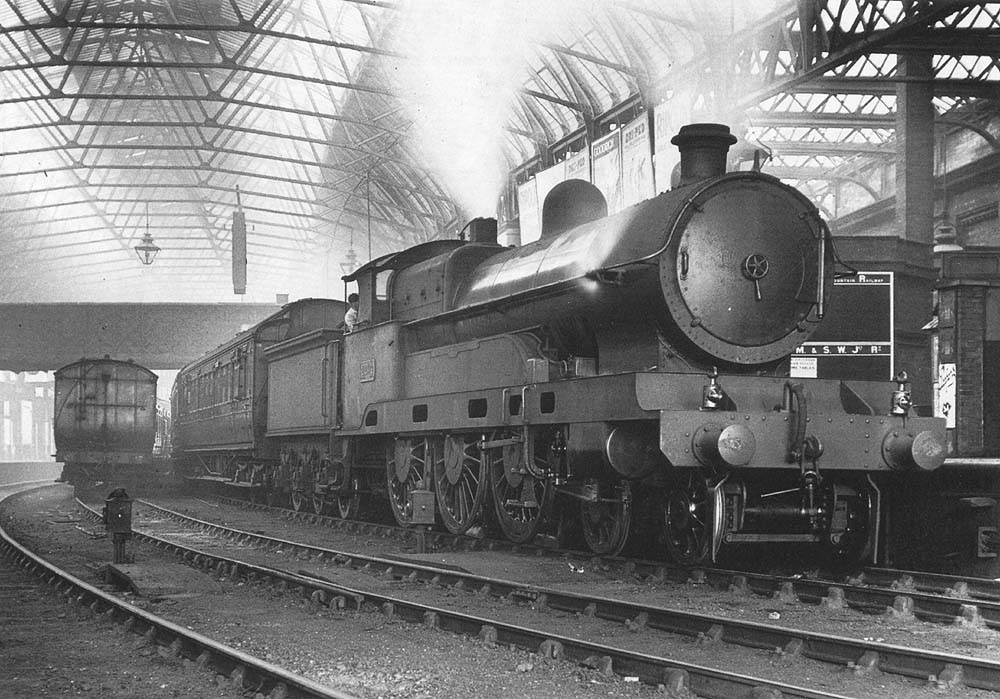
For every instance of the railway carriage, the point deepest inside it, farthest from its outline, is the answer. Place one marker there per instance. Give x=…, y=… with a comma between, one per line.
x=105, y=420
x=643, y=353
x=220, y=404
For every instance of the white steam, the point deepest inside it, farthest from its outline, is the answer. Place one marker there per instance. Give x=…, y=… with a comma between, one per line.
x=466, y=60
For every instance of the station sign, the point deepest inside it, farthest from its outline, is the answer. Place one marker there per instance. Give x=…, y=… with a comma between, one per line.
x=854, y=341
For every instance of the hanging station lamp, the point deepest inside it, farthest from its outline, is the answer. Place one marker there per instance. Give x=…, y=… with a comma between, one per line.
x=146, y=249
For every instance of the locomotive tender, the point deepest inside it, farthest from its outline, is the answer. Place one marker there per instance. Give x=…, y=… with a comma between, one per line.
x=105, y=420
x=643, y=351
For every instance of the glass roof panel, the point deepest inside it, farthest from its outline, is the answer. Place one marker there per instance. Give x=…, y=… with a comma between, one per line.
x=354, y=127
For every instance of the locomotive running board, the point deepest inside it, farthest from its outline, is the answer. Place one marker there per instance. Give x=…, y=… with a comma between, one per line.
x=733, y=538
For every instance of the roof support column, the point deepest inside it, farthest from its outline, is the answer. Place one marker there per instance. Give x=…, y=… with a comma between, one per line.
x=915, y=149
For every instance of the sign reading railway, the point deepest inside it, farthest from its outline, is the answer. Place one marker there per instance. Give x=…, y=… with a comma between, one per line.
x=855, y=339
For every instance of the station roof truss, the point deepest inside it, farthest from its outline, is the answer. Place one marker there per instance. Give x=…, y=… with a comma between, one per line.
x=122, y=117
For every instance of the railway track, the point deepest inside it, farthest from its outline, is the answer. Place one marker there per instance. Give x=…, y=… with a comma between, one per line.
x=944, y=670
x=242, y=670
x=928, y=597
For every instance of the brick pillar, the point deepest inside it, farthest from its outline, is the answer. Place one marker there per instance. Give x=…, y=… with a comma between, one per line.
x=962, y=315
x=915, y=150
x=970, y=302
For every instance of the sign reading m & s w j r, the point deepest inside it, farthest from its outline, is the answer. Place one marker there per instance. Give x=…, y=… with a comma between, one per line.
x=854, y=340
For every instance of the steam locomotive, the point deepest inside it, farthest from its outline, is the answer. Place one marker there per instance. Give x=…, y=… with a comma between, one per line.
x=639, y=354
x=105, y=421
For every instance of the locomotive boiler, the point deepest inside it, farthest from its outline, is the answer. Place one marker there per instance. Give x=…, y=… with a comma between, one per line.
x=105, y=420
x=644, y=352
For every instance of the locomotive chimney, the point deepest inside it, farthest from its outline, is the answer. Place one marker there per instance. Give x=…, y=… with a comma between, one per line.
x=703, y=150
x=483, y=230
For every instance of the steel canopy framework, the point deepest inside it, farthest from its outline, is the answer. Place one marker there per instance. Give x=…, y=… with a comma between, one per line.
x=120, y=115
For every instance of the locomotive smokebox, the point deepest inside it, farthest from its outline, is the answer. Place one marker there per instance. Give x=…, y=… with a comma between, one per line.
x=483, y=230
x=703, y=150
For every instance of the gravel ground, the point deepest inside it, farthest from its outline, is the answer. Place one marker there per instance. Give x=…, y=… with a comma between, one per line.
x=373, y=656
x=53, y=649
x=588, y=575
x=363, y=653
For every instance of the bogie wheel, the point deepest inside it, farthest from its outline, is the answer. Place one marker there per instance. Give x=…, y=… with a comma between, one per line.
x=459, y=481
x=688, y=519
x=406, y=470
x=854, y=513
x=607, y=519
x=521, y=500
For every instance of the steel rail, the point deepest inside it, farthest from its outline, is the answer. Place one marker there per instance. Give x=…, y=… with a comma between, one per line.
x=244, y=671
x=702, y=681
x=987, y=589
x=945, y=668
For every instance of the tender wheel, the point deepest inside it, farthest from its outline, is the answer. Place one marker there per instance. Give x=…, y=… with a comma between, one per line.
x=320, y=472
x=606, y=520
x=318, y=503
x=687, y=520
x=459, y=481
x=298, y=481
x=406, y=466
x=521, y=500
x=349, y=503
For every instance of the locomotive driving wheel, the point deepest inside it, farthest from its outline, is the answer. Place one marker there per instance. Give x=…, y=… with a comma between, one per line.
x=406, y=471
x=606, y=519
x=520, y=499
x=688, y=519
x=459, y=481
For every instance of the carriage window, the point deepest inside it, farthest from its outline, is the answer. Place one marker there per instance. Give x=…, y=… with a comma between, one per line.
x=547, y=404
x=233, y=370
x=241, y=373
x=477, y=407
x=371, y=418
